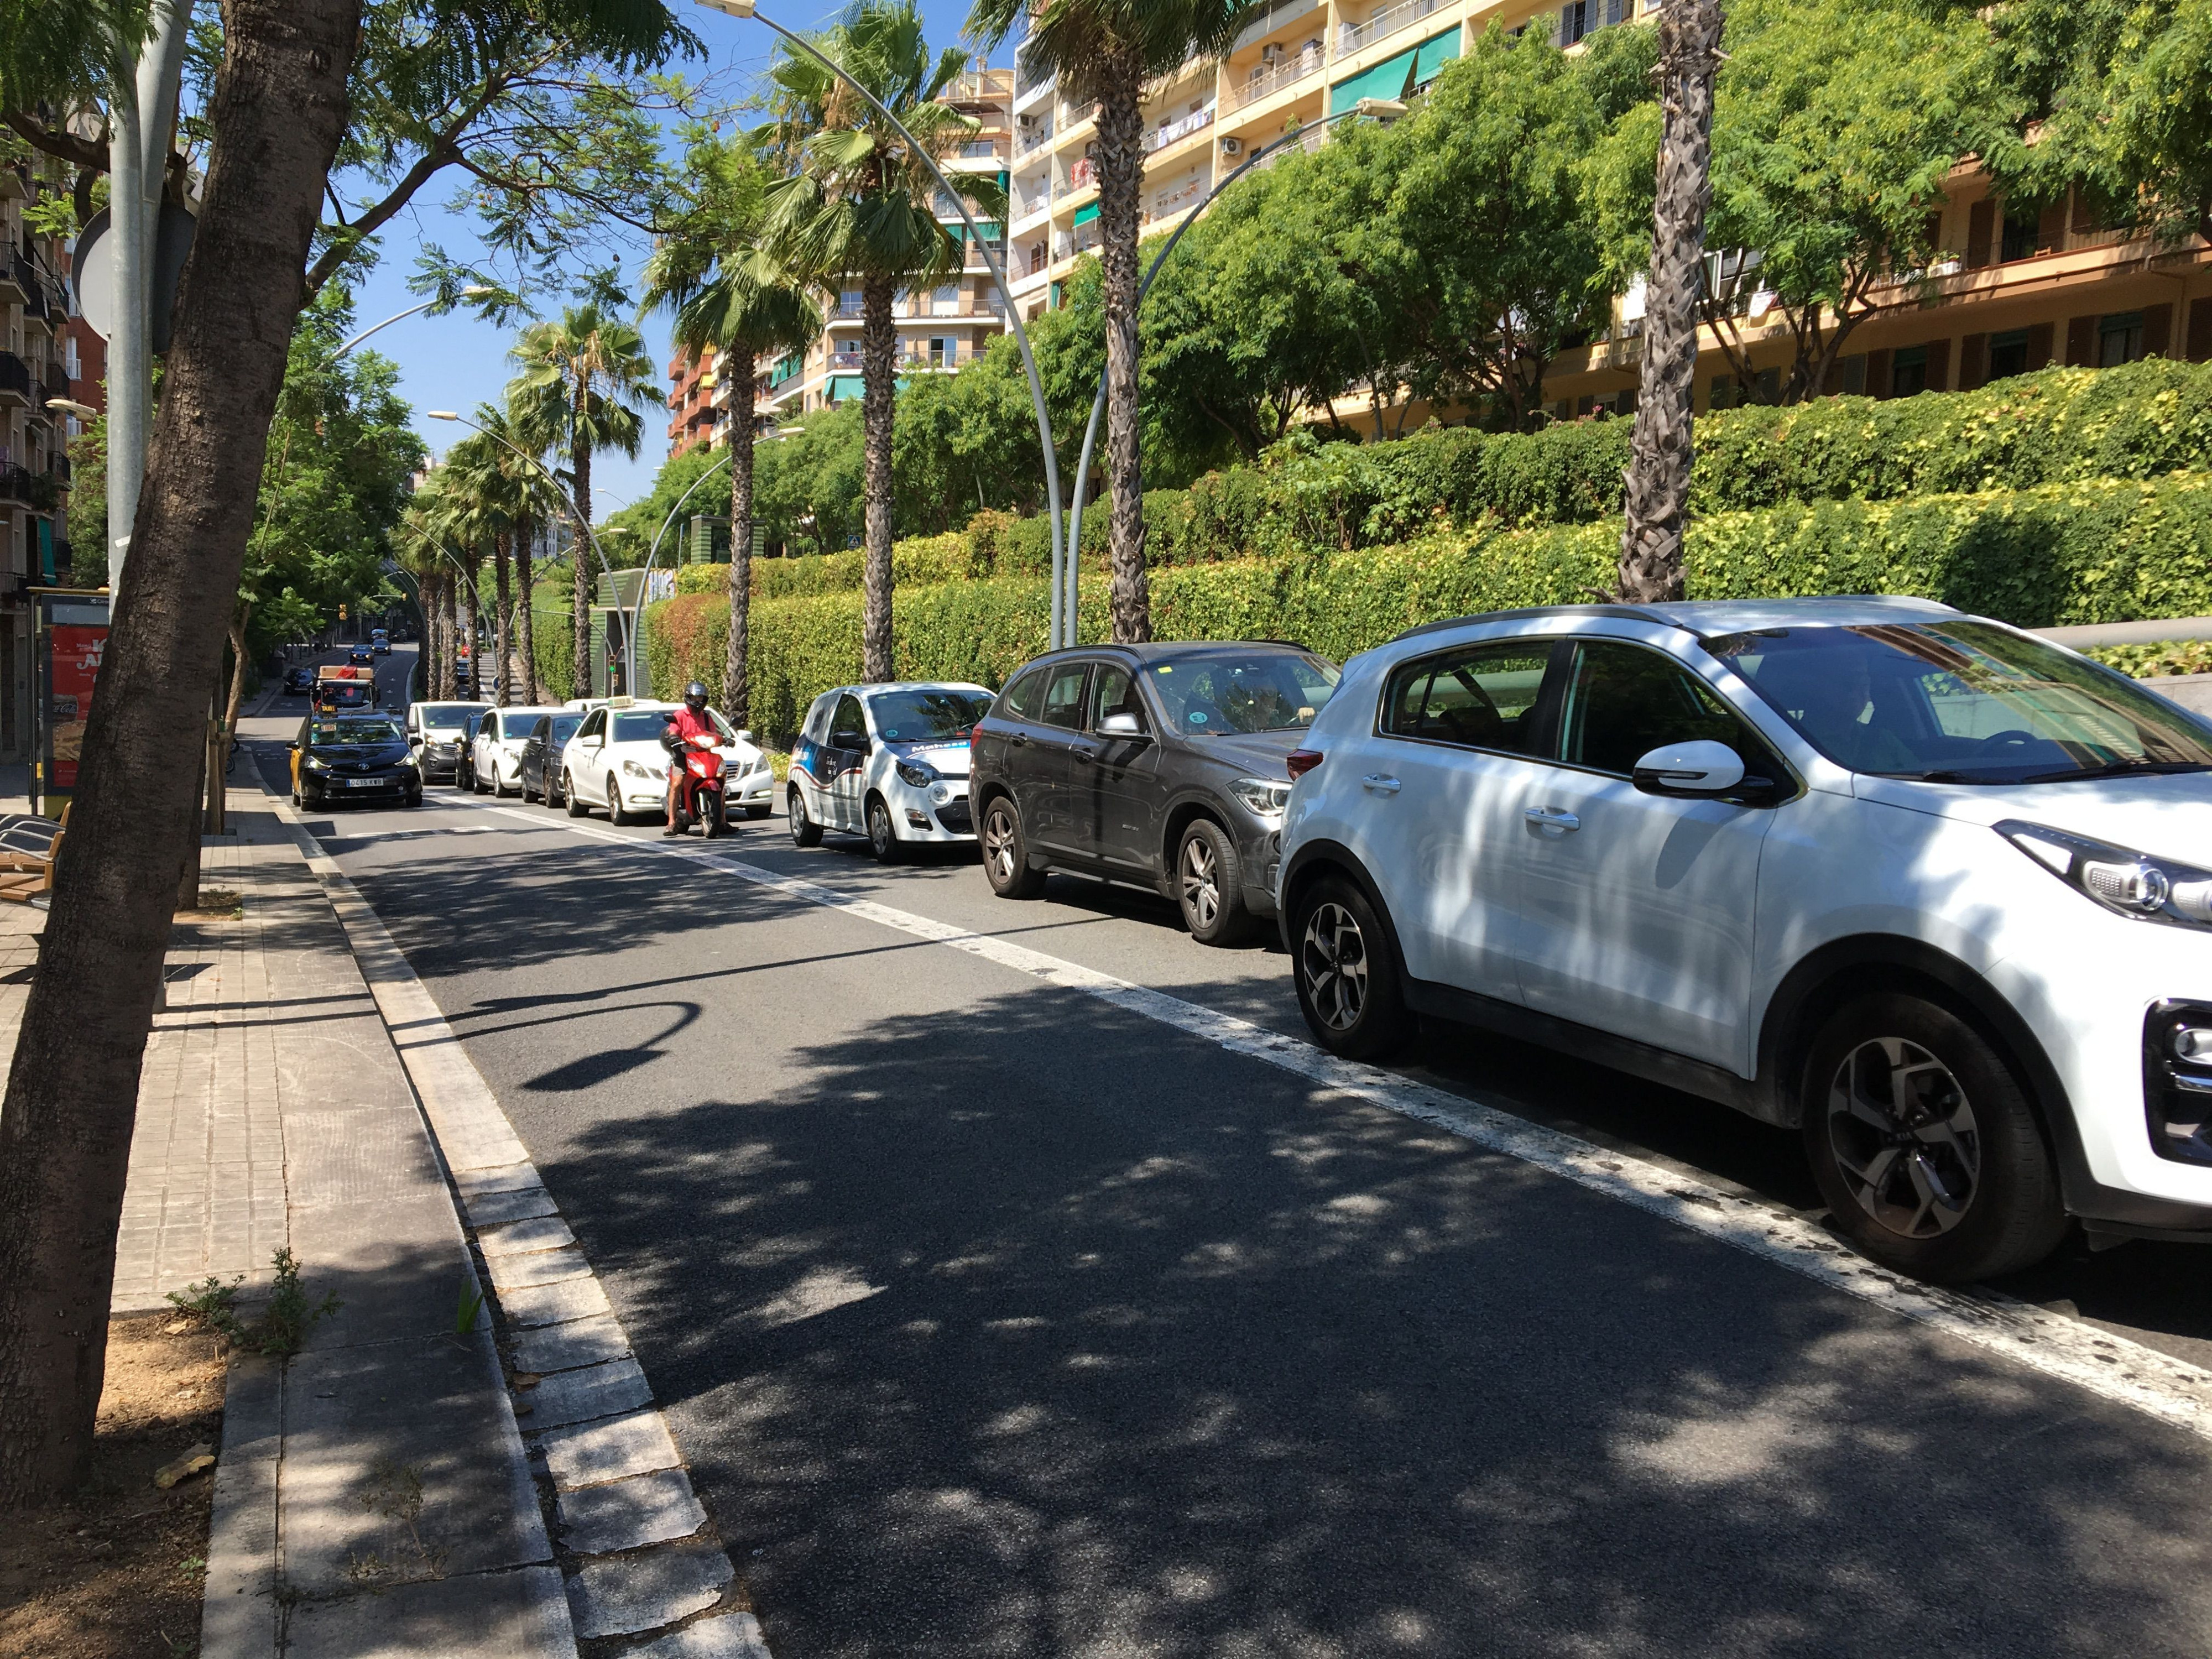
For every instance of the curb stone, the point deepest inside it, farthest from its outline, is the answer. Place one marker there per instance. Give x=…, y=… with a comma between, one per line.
x=617, y=1479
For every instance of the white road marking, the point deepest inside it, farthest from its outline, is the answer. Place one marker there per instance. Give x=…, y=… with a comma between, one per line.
x=2110, y=1366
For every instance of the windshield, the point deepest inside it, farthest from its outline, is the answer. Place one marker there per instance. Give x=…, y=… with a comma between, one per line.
x=642, y=729
x=345, y=693
x=1243, y=690
x=342, y=734
x=1962, y=702
x=927, y=716
x=446, y=715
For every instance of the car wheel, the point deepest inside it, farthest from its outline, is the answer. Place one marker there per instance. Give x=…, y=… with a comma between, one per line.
x=498, y=791
x=1210, y=885
x=1347, y=980
x=615, y=813
x=415, y=799
x=571, y=799
x=757, y=813
x=882, y=833
x=805, y=832
x=1006, y=853
x=1924, y=1144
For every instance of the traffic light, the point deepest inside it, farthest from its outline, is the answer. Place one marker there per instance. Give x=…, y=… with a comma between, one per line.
x=342, y=615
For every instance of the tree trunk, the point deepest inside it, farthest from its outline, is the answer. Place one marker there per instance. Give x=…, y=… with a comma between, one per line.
x=879, y=393
x=227, y=729
x=502, y=620
x=1121, y=178
x=737, y=679
x=473, y=687
x=449, y=676
x=524, y=533
x=579, y=459
x=1660, y=446
x=278, y=108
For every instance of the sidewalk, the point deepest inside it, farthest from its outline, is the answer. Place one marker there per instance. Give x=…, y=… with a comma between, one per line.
x=373, y=1497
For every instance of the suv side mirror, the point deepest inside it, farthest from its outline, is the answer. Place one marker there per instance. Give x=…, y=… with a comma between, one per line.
x=1703, y=768
x=1120, y=725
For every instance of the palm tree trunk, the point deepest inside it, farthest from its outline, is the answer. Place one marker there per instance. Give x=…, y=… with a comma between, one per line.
x=580, y=462
x=878, y=391
x=448, y=672
x=737, y=678
x=502, y=621
x=525, y=533
x=279, y=105
x=474, y=687
x=1121, y=178
x=1660, y=446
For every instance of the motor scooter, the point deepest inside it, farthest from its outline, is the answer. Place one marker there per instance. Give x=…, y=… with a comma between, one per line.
x=699, y=789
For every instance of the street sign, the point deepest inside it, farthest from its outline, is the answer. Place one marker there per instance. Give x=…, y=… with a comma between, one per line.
x=92, y=271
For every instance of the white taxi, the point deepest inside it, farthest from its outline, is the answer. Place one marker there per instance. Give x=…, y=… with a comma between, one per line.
x=616, y=762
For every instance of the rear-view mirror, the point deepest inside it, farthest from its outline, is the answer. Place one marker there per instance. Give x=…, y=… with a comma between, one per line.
x=1703, y=768
x=1120, y=725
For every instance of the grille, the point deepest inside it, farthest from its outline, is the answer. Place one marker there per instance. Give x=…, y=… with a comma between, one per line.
x=956, y=818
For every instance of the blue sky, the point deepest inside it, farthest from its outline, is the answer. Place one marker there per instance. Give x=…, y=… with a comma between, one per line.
x=457, y=363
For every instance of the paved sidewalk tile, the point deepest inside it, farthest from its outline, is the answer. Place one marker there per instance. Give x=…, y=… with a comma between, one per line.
x=732, y=1636
x=630, y=1593
x=627, y=1515
x=554, y=1305
x=579, y=1396
x=564, y=1347
x=608, y=1451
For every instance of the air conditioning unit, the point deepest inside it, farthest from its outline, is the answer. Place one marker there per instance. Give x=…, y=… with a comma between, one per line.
x=1232, y=146
x=1271, y=51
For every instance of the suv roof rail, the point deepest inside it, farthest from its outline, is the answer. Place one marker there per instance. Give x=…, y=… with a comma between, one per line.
x=1626, y=612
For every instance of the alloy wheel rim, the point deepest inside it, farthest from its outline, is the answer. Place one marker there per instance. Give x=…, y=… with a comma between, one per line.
x=1905, y=1137
x=1333, y=964
x=999, y=845
x=1201, y=887
x=879, y=827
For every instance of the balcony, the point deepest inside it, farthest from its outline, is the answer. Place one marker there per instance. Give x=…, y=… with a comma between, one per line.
x=1084, y=175
x=1169, y=202
x=17, y=284
x=1266, y=81
x=1039, y=133
x=1174, y=131
x=1380, y=24
x=15, y=484
x=15, y=380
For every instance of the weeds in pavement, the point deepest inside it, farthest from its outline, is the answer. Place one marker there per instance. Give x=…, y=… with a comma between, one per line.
x=395, y=1493
x=465, y=1313
x=282, y=1329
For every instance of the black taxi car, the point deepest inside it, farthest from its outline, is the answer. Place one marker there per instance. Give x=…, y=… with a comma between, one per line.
x=353, y=757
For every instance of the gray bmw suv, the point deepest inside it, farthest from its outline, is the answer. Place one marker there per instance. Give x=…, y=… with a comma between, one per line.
x=1160, y=765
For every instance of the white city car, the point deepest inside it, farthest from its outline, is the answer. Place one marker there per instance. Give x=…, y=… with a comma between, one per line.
x=496, y=755
x=616, y=761
x=1934, y=891
x=889, y=762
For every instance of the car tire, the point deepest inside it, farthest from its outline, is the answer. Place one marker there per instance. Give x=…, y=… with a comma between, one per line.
x=1007, y=851
x=615, y=812
x=883, y=831
x=499, y=790
x=805, y=832
x=415, y=799
x=572, y=800
x=1953, y=1183
x=1346, y=975
x=527, y=798
x=1209, y=880
x=757, y=813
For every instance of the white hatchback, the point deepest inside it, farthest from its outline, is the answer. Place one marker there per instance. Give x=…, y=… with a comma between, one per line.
x=616, y=761
x=495, y=757
x=1896, y=877
x=886, y=761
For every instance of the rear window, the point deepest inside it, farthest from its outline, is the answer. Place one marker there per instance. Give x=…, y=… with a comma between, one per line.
x=564, y=727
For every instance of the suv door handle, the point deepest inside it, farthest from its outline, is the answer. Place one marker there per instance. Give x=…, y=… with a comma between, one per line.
x=1552, y=817
x=1377, y=784
x=1077, y=751
x=1020, y=740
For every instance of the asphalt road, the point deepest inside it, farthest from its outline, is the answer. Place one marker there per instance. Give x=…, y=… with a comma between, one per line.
x=996, y=1318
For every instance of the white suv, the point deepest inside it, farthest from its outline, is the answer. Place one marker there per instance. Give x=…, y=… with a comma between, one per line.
x=1872, y=867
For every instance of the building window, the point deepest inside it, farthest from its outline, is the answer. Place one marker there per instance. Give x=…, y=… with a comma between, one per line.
x=1575, y=20
x=1908, y=372
x=2008, y=354
x=2120, y=338
x=1848, y=377
x=2021, y=237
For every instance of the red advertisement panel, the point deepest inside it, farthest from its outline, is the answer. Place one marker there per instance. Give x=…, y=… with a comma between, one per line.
x=77, y=648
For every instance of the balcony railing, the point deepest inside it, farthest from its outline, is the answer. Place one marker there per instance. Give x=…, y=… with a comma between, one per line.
x=1197, y=121
x=15, y=484
x=1263, y=82
x=14, y=376
x=1032, y=137
x=1356, y=37
x=1175, y=200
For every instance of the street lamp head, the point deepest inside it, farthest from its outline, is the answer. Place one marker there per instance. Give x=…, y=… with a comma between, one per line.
x=730, y=8
x=441, y=414
x=477, y=291
x=70, y=406
x=1383, y=109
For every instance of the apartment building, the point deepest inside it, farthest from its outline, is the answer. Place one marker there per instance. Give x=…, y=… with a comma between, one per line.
x=35, y=466
x=940, y=328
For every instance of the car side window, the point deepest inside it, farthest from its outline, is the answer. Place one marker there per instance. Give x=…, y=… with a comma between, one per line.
x=1623, y=701
x=1478, y=697
x=849, y=728
x=1024, y=698
x=593, y=725
x=1114, y=691
x=1063, y=696
x=817, y=729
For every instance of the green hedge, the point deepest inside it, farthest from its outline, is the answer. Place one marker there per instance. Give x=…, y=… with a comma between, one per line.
x=2105, y=551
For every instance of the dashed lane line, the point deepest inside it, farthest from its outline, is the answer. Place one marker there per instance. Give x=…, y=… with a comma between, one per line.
x=2110, y=1366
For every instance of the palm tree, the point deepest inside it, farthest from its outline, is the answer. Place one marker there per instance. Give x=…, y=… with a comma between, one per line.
x=418, y=550
x=858, y=203
x=1660, y=446
x=1105, y=51
x=583, y=381
x=729, y=295
x=455, y=520
x=496, y=486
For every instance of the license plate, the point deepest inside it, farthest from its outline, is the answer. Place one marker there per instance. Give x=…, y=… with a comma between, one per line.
x=366, y=783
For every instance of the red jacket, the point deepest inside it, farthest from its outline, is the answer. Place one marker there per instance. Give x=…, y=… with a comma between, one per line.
x=687, y=725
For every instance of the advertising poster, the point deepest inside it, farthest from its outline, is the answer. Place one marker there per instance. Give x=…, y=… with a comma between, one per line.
x=75, y=639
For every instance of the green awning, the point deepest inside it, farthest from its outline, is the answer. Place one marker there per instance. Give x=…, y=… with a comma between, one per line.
x=1433, y=54
x=842, y=387
x=1391, y=78
x=1086, y=213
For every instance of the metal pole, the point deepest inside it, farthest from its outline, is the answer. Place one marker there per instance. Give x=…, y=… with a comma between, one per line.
x=474, y=291
x=142, y=111
x=1364, y=106
x=745, y=9
x=637, y=610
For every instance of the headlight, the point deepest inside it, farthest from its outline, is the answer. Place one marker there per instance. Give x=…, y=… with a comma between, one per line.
x=636, y=770
x=314, y=763
x=407, y=764
x=2128, y=884
x=1266, y=798
x=918, y=773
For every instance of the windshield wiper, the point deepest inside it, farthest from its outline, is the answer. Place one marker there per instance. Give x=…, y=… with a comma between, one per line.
x=2120, y=769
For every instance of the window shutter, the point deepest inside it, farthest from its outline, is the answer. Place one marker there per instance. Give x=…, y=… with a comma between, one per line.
x=1877, y=373
x=2158, y=331
x=2081, y=343
x=2051, y=228
x=2200, y=330
x=1981, y=231
x=1974, y=362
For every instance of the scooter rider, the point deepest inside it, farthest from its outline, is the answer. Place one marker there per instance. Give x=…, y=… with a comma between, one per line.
x=687, y=723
